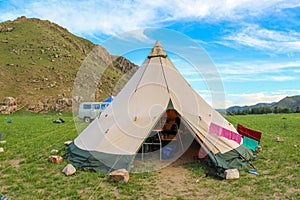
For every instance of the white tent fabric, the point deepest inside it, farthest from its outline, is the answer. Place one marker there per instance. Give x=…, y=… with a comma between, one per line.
x=128, y=120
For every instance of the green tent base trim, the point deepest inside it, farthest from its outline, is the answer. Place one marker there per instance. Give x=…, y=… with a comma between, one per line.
x=239, y=158
x=97, y=161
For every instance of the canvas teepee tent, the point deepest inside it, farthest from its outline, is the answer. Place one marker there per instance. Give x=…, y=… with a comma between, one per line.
x=112, y=140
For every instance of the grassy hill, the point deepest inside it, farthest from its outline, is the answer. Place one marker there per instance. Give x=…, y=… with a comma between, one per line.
x=293, y=103
x=39, y=61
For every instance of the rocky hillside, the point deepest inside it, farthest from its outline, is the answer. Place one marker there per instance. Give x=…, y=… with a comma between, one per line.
x=39, y=62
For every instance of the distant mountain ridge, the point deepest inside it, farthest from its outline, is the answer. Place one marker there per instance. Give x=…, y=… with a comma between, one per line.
x=39, y=61
x=236, y=108
x=290, y=102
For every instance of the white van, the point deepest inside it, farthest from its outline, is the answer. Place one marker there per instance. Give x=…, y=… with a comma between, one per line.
x=90, y=110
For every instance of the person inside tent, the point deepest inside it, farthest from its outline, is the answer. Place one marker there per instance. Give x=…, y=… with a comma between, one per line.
x=172, y=124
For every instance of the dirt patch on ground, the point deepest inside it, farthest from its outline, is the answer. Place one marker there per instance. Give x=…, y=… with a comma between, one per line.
x=14, y=162
x=176, y=181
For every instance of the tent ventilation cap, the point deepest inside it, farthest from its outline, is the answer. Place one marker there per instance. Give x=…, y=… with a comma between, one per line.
x=157, y=51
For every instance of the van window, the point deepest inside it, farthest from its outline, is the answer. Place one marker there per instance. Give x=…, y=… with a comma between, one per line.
x=87, y=106
x=97, y=106
x=104, y=106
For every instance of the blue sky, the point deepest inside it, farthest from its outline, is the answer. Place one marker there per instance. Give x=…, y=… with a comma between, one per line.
x=254, y=45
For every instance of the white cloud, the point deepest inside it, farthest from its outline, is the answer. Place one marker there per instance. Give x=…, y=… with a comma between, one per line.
x=261, y=97
x=282, y=78
x=246, y=98
x=253, y=98
x=104, y=17
x=245, y=71
x=255, y=78
x=94, y=17
x=223, y=9
x=287, y=92
x=111, y=17
x=254, y=36
x=256, y=67
x=137, y=34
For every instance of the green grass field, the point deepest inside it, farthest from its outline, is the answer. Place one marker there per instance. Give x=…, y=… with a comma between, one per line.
x=26, y=173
